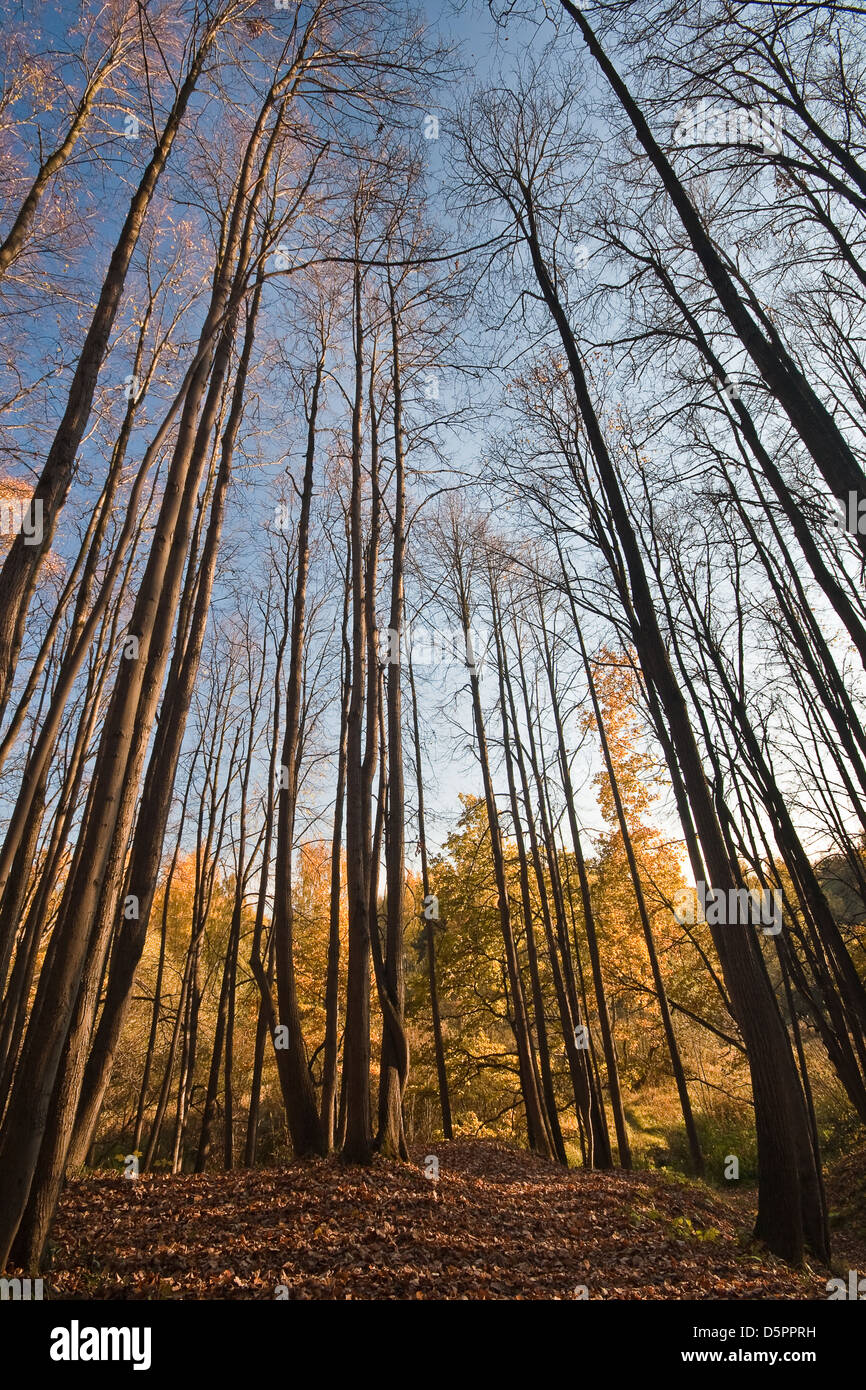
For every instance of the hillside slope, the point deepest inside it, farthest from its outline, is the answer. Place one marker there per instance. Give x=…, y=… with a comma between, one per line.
x=498, y=1223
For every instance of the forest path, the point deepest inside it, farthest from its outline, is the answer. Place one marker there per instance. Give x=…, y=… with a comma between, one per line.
x=498, y=1223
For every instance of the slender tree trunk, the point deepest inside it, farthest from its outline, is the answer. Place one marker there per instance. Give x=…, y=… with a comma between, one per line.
x=358, y=1139
x=429, y=919
x=395, y=1046
x=332, y=975
x=299, y=1096
x=549, y=1092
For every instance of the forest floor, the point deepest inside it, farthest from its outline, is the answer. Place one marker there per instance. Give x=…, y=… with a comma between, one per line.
x=499, y=1223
